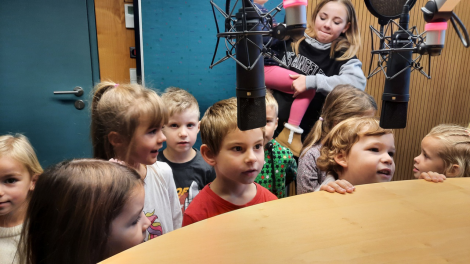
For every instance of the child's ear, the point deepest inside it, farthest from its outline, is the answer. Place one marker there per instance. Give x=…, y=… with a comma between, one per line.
x=346, y=27
x=208, y=155
x=34, y=179
x=198, y=126
x=115, y=139
x=454, y=171
x=341, y=159
x=277, y=120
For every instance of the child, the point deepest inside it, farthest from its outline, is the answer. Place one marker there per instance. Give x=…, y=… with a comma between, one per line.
x=84, y=211
x=342, y=103
x=19, y=170
x=237, y=157
x=324, y=58
x=127, y=125
x=445, y=150
x=190, y=171
x=279, y=163
x=359, y=151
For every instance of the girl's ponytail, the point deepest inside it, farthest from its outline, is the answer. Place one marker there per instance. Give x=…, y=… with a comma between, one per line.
x=101, y=147
x=313, y=137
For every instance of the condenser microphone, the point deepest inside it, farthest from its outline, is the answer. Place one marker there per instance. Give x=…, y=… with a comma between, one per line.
x=396, y=92
x=296, y=17
x=251, y=89
x=435, y=37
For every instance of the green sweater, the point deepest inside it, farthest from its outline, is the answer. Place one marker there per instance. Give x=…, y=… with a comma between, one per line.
x=284, y=167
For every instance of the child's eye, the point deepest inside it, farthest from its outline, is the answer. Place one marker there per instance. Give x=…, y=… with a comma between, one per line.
x=174, y=126
x=237, y=148
x=391, y=154
x=10, y=181
x=191, y=125
x=258, y=146
x=374, y=149
x=137, y=220
x=153, y=131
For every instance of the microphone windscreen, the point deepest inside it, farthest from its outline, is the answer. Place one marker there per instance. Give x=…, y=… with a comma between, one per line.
x=393, y=114
x=251, y=113
x=389, y=8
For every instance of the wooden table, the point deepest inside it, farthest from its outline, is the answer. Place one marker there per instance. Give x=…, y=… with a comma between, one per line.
x=397, y=222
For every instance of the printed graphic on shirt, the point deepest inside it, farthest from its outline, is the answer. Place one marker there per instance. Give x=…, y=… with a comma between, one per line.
x=187, y=194
x=155, y=228
x=301, y=63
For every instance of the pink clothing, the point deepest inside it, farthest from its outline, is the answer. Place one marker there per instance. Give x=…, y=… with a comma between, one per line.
x=277, y=78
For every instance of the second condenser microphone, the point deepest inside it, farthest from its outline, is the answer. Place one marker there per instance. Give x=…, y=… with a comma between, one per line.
x=296, y=17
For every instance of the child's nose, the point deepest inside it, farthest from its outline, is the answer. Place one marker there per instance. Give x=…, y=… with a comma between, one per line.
x=146, y=223
x=250, y=156
x=161, y=136
x=183, y=132
x=386, y=158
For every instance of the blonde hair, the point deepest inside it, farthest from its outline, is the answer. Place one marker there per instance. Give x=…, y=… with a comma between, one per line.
x=219, y=120
x=19, y=148
x=349, y=43
x=456, y=141
x=178, y=100
x=271, y=101
x=343, y=102
x=119, y=108
x=71, y=211
x=341, y=139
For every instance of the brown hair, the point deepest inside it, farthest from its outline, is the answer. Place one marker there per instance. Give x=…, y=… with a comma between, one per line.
x=70, y=214
x=19, y=148
x=341, y=139
x=219, y=120
x=178, y=100
x=343, y=102
x=456, y=141
x=120, y=108
x=349, y=42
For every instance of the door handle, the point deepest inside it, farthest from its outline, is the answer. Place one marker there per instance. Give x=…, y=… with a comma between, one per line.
x=77, y=91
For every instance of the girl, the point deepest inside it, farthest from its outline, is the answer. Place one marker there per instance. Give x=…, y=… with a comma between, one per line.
x=445, y=150
x=359, y=151
x=342, y=103
x=83, y=211
x=324, y=58
x=127, y=125
x=19, y=170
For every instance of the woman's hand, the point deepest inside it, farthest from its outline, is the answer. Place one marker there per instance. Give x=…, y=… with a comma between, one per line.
x=299, y=84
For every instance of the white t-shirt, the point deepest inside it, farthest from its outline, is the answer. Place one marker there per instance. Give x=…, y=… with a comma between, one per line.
x=162, y=206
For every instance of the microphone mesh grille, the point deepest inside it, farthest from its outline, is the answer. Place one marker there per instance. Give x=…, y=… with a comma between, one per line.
x=251, y=113
x=388, y=8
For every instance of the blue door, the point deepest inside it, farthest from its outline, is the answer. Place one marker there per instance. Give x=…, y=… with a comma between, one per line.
x=48, y=46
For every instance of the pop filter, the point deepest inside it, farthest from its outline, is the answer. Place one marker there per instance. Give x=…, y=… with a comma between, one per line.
x=385, y=10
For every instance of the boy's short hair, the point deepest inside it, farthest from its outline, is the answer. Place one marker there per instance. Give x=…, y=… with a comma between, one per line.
x=341, y=139
x=271, y=101
x=217, y=122
x=178, y=100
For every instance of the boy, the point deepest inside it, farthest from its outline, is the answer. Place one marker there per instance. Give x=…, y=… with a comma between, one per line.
x=190, y=171
x=237, y=157
x=279, y=163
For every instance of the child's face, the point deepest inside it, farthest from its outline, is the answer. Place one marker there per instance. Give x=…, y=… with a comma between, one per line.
x=271, y=123
x=429, y=159
x=147, y=142
x=15, y=183
x=181, y=131
x=241, y=156
x=370, y=160
x=331, y=21
x=128, y=229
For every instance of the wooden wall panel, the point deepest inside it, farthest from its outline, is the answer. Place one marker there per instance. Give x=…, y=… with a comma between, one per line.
x=114, y=40
x=442, y=99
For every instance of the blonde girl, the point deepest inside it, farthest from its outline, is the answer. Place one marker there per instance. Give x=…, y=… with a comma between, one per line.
x=83, y=211
x=445, y=150
x=342, y=103
x=127, y=122
x=19, y=170
x=324, y=58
